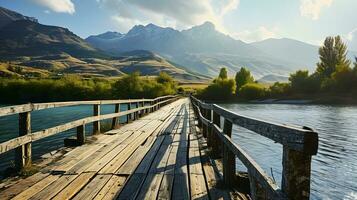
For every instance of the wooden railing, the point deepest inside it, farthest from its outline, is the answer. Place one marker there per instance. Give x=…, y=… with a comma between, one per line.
x=299, y=144
x=22, y=144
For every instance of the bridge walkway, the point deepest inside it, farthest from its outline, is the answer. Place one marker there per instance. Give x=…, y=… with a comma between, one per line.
x=162, y=155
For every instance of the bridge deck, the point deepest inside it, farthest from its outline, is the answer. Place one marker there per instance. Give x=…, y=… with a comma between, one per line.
x=159, y=156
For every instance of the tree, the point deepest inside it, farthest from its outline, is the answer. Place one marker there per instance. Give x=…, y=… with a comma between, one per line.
x=243, y=77
x=223, y=74
x=343, y=79
x=301, y=82
x=332, y=54
x=164, y=78
x=220, y=89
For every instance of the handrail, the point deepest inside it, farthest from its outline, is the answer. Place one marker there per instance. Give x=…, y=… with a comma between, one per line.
x=299, y=144
x=16, y=109
x=23, y=142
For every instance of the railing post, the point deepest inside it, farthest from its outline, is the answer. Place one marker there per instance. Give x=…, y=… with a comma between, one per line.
x=209, y=128
x=96, y=124
x=296, y=174
x=81, y=135
x=229, y=161
x=128, y=116
x=256, y=190
x=24, y=153
x=215, y=141
x=204, y=127
x=115, y=119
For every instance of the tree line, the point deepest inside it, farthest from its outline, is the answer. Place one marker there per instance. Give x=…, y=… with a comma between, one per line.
x=72, y=88
x=334, y=75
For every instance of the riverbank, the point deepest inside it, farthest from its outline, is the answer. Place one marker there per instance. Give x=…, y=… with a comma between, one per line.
x=318, y=99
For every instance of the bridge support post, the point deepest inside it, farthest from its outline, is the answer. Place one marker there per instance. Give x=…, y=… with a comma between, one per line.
x=215, y=139
x=115, y=119
x=296, y=174
x=24, y=152
x=128, y=116
x=81, y=135
x=204, y=127
x=256, y=190
x=209, y=128
x=229, y=161
x=96, y=124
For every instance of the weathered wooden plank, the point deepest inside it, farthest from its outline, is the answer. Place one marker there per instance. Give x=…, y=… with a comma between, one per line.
x=181, y=188
x=166, y=186
x=132, y=186
x=39, y=186
x=111, y=188
x=22, y=185
x=151, y=186
x=74, y=187
x=93, y=187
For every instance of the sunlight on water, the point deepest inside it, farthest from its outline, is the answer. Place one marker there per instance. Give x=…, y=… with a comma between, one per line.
x=334, y=168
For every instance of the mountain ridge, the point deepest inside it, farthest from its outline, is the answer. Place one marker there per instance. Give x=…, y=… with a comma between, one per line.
x=205, y=50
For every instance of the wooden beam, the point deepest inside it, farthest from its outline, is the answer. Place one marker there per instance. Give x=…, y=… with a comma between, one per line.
x=96, y=124
x=299, y=139
x=24, y=152
x=81, y=134
x=115, y=119
x=229, y=159
x=296, y=175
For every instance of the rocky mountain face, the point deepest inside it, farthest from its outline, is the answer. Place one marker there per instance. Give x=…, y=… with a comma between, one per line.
x=7, y=16
x=44, y=49
x=205, y=50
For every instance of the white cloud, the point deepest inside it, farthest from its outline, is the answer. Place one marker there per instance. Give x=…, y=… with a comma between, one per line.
x=180, y=13
x=261, y=33
x=351, y=39
x=312, y=8
x=60, y=6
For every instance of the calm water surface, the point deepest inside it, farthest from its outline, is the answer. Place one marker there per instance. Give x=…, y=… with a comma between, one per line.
x=334, y=168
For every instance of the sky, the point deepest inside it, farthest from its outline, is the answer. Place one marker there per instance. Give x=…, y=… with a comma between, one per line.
x=310, y=21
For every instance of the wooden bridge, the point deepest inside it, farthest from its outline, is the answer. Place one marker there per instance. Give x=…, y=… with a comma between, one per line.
x=171, y=148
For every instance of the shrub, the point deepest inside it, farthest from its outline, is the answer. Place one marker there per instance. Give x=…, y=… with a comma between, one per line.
x=252, y=91
x=220, y=89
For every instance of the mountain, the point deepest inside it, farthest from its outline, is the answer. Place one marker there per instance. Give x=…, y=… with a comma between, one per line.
x=33, y=49
x=7, y=16
x=29, y=38
x=201, y=49
x=297, y=52
x=204, y=50
x=272, y=78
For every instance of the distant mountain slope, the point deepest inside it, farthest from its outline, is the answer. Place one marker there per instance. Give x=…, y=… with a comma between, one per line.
x=271, y=78
x=201, y=49
x=28, y=38
x=31, y=46
x=300, y=53
x=204, y=50
x=7, y=16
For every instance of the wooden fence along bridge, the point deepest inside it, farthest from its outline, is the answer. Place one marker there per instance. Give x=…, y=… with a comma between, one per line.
x=173, y=148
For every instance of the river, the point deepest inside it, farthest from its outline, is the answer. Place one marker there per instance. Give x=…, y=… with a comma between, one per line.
x=334, y=168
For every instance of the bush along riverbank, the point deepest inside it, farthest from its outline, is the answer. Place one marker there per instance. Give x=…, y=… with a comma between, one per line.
x=75, y=88
x=333, y=82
